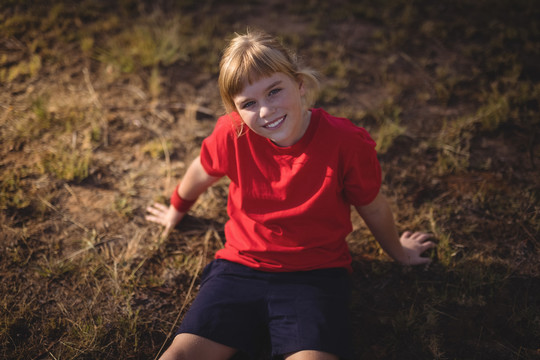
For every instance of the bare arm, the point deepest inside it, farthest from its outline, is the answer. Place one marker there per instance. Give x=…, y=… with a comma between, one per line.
x=195, y=182
x=406, y=249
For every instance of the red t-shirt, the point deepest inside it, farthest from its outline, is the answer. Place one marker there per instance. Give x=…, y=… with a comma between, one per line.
x=289, y=207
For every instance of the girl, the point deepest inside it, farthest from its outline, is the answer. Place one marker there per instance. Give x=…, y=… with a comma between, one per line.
x=295, y=172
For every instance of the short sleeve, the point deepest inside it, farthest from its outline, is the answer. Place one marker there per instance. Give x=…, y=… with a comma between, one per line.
x=362, y=173
x=217, y=150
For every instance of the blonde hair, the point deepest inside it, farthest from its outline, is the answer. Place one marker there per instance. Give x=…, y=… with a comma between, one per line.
x=256, y=55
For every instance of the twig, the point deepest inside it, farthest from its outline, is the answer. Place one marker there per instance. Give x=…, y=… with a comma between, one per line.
x=47, y=351
x=70, y=190
x=163, y=142
x=188, y=295
x=171, y=106
x=428, y=79
x=65, y=218
x=533, y=238
x=98, y=104
x=80, y=226
x=157, y=241
x=90, y=247
x=9, y=109
x=181, y=106
x=167, y=160
x=91, y=89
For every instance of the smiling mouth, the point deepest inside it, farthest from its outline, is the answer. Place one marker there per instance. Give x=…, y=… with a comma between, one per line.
x=274, y=124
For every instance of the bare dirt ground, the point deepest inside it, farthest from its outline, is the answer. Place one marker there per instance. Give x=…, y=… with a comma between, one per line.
x=102, y=107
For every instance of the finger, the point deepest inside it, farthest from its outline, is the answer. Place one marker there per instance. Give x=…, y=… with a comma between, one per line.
x=158, y=210
x=421, y=235
x=155, y=214
x=427, y=245
x=420, y=247
x=156, y=219
x=406, y=234
x=420, y=238
x=152, y=210
x=158, y=207
x=161, y=206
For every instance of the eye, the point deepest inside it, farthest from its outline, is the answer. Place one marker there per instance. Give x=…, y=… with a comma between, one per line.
x=274, y=92
x=247, y=104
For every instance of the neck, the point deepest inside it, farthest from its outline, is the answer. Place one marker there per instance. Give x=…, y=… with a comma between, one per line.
x=306, y=119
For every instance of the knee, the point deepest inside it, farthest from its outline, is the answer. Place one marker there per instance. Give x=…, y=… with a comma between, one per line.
x=175, y=350
x=311, y=355
x=192, y=347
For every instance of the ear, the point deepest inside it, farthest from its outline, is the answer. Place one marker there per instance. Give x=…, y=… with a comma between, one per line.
x=301, y=87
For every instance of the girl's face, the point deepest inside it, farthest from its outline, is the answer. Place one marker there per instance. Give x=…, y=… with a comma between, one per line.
x=272, y=107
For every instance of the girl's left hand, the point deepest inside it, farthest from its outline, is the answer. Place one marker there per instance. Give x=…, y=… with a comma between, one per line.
x=414, y=245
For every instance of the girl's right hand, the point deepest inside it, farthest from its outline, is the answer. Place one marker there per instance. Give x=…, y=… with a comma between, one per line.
x=163, y=215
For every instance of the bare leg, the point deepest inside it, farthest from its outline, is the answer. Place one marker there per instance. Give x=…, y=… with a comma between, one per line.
x=193, y=347
x=311, y=355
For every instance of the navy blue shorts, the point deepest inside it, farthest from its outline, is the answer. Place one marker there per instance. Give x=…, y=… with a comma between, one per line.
x=246, y=309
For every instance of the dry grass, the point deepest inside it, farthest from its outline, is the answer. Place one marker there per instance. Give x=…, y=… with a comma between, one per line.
x=103, y=106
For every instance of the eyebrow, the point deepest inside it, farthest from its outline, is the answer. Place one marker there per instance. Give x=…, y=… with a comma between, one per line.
x=275, y=83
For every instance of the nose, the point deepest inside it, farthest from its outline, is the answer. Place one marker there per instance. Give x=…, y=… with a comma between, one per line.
x=265, y=111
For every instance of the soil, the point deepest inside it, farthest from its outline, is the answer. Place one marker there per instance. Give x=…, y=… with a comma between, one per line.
x=477, y=300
